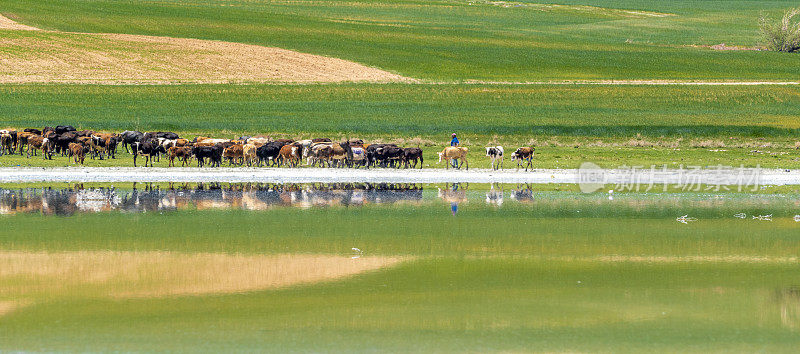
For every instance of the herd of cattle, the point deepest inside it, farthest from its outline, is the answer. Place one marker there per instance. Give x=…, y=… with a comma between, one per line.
x=246, y=150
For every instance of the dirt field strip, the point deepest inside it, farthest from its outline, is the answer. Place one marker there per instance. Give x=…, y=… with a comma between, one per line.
x=328, y=175
x=31, y=55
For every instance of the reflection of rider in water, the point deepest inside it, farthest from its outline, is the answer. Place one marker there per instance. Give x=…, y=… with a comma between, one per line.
x=454, y=205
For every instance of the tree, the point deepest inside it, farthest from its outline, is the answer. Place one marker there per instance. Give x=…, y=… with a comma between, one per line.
x=783, y=36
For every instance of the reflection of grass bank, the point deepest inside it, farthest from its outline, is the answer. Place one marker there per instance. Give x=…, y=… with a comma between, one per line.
x=504, y=304
x=548, y=226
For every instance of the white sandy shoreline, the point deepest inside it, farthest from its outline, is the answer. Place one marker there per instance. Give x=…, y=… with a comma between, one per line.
x=329, y=175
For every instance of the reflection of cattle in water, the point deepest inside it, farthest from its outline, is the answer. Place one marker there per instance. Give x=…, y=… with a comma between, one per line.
x=524, y=194
x=206, y=196
x=453, y=194
x=494, y=196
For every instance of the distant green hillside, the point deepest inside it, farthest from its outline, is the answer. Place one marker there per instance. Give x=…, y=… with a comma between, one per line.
x=461, y=40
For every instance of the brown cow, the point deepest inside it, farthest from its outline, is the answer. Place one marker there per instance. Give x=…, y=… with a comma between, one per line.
x=6, y=144
x=249, y=153
x=77, y=152
x=524, y=154
x=22, y=140
x=37, y=142
x=289, y=155
x=457, y=153
x=234, y=152
x=182, y=153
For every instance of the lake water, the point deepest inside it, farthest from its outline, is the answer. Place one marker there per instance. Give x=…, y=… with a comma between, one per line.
x=396, y=267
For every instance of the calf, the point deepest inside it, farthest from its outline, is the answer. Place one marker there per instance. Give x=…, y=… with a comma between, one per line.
x=77, y=152
x=523, y=155
x=182, y=153
x=495, y=153
x=456, y=153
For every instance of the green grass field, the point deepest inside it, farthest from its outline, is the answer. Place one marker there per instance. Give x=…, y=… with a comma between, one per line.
x=610, y=125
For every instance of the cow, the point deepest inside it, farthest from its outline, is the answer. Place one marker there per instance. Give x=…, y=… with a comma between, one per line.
x=356, y=155
x=6, y=144
x=182, y=153
x=412, y=154
x=457, y=153
x=62, y=142
x=269, y=152
x=249, y=154
x=523, y=155
x=22, y=140
x=147, y=148
x=129, y=137
x=156, y=135
x=37, y=142
x=258, y=140
x=388, y=155
x=374, y=153
x=82, y=133
x=97, y=147
x=33, y=130
x=213, y=153
x=61, y=129
x=234, y=153
x=13, y=134
x=495, y=153
x=286, y=155
x=77, y=152
x=320, y=153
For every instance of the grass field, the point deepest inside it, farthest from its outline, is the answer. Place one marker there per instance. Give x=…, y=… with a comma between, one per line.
x=621, y=276
x=460, y=40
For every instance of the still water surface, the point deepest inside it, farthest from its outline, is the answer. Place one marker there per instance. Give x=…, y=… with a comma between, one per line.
x=396, y=267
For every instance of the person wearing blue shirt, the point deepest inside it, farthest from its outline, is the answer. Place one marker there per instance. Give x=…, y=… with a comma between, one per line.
x=454, y=142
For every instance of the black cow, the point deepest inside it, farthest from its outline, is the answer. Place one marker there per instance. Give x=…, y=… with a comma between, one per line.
x=412, y=154
x=62, y=142
x=149, y=149
x=165, y=135
x=269, y=151
x=130, y=137
x=61, y=129
x=32, y=130
x=213, y=153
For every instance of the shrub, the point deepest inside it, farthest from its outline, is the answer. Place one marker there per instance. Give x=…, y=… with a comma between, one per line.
x=783, y=36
